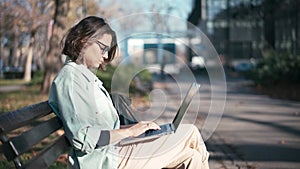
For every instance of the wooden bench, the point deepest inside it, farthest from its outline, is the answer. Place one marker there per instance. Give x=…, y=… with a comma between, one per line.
x=40, y=122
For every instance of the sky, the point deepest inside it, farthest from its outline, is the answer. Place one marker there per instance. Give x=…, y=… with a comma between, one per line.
x=181, y=7
x=177, y=10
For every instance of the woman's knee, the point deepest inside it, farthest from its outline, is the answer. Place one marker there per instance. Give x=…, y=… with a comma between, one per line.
x=188, y=128
x=194, y=131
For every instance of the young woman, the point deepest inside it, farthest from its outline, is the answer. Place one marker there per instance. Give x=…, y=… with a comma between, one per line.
x=90, y=120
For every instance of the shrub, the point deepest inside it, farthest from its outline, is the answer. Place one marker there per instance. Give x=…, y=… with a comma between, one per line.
x=140, y=84
x=278, y=68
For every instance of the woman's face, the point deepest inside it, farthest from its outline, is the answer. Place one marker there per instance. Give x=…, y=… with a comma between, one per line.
x=94, y=55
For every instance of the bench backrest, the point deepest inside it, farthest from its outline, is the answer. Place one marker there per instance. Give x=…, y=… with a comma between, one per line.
x=42, y=123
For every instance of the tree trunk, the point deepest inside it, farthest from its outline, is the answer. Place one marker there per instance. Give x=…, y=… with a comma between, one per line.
x=269, y=8
x=27, y=71
x=13, y=50
x=53, y=61
x=195, y=15
x=1, y=60
x=294, y=15
x=193, y=21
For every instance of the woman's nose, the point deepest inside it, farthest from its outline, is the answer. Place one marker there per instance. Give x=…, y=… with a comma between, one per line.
x=105, y=55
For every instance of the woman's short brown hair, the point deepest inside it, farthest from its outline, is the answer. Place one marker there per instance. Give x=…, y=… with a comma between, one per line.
x=85, y=32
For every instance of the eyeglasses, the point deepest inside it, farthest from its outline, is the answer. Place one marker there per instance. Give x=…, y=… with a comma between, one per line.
x=103, y=47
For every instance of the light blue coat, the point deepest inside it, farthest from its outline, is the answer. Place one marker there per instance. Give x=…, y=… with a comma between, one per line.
x=73, y=97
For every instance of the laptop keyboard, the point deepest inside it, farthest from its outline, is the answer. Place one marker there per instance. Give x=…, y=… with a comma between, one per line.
x=164, y=128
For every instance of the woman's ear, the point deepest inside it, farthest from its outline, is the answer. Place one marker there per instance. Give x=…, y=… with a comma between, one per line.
x=84, y=40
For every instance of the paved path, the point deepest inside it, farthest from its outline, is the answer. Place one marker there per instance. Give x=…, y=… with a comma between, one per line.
x=255, y=132
x=260, y=132
x=4, y=89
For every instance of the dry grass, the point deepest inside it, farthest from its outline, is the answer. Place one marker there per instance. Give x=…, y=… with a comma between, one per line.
x=27, y=95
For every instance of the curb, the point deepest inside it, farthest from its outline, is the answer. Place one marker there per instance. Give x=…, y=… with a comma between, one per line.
x=224, y=154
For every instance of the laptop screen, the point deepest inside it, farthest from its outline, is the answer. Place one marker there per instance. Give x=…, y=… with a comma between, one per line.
x=185, y=104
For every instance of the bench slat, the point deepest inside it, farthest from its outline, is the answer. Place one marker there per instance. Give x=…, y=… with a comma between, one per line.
x=49, y=155
x=22, y=143
x=15, y=119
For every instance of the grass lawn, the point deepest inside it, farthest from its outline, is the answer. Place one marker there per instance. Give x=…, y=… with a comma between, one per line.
x=29, y=94
x=12, y=81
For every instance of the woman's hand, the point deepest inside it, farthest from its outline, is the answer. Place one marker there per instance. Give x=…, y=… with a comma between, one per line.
x=132, y=131
x=141, y=127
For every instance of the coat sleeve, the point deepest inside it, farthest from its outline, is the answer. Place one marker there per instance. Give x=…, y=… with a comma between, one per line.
x=70, y=99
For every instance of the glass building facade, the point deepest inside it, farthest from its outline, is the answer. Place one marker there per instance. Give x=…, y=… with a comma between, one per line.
x=243, y=28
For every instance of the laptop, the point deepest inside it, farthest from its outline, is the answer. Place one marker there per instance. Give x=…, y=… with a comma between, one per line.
x=169, y=128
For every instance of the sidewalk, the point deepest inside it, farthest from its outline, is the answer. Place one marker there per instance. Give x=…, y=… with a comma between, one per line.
x=10, y=88
x=261, y=131
x=255, y=132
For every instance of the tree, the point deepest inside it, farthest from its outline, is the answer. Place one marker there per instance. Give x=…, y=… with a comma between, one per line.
x=269, y=8
x=193, y=21
x=280, y=11
x=4, y=17
x=65, y=15
x=37, y=19
x=53, y=61
x=11, y=27
x=195, y=15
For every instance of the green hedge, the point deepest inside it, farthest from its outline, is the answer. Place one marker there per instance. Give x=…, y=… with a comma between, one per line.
x=141, y=84
x=278, y=68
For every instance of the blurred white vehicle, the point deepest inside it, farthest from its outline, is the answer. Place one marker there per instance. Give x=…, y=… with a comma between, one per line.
x=198, y=62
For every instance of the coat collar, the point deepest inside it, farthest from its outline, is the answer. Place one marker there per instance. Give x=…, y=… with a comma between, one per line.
x=88, y=74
